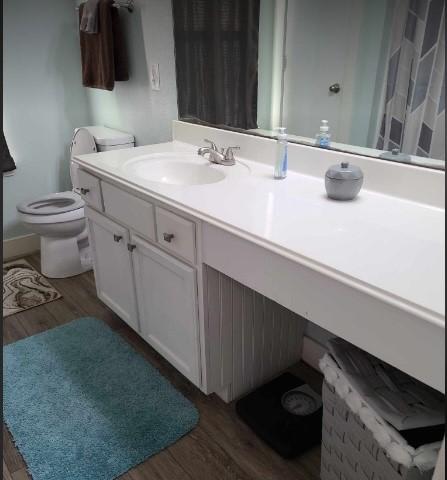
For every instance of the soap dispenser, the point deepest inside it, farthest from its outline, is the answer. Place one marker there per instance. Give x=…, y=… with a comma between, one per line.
x=281, y=154
x=323, y=138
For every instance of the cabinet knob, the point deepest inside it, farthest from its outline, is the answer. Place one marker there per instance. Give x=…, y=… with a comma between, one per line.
x=168, y=237
x=84, y=191
x=117, y=238
x=131, y=247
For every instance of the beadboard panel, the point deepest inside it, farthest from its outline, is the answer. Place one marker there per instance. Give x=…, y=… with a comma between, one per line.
x=253, y=338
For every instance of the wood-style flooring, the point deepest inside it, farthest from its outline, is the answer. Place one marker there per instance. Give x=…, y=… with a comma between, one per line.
x=220, y=448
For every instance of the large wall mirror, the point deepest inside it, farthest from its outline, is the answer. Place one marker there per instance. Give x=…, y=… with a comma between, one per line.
x=374, y=69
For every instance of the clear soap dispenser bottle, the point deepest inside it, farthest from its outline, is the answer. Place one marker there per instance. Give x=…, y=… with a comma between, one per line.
x=323, y=138
x=281, y=154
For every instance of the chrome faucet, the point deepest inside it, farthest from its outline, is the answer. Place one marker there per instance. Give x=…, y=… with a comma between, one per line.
x=204, y=150
x=224, y=157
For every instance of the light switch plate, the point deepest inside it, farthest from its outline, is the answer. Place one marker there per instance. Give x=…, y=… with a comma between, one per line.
x=155, y=76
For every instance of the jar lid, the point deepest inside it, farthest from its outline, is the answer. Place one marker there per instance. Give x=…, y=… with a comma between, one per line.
x=344, y=171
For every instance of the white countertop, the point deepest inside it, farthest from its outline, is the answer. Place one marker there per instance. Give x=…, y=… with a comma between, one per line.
x=390, y=247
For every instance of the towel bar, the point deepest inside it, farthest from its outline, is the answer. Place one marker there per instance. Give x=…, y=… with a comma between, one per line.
x=128, y=4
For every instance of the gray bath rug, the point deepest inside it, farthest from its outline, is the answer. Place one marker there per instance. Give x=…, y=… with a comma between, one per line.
x=24, y=288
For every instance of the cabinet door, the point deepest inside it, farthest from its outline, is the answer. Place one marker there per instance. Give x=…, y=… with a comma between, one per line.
x=112, y=264
x=167, y=303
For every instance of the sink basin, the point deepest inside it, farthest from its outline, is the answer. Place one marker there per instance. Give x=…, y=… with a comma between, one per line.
x=175, y=169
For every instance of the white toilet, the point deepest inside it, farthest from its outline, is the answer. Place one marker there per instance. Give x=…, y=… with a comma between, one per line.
x=59, y=217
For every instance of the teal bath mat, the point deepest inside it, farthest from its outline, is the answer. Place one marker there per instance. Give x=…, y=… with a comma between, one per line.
x=81, y=404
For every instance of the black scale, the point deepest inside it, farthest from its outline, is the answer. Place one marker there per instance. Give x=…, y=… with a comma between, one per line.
x=286, y=413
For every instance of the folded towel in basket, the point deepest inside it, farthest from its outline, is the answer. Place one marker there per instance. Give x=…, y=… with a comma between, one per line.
x=401, y=400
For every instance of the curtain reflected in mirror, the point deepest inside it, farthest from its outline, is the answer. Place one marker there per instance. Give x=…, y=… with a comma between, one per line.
x=216, y=51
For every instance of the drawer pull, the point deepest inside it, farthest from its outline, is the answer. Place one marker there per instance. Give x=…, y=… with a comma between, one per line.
x=168, y=237
x=117, y=238
x=131, y=247
x=84, y=191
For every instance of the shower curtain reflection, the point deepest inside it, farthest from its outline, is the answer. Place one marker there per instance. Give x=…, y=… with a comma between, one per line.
x=414, y=111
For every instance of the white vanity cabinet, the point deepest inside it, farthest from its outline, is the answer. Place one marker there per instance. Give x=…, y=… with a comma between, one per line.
x=167, y=302
x=150, y=289
x=113, y=266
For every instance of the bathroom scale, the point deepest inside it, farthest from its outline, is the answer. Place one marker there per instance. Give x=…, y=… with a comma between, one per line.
x=285, y=413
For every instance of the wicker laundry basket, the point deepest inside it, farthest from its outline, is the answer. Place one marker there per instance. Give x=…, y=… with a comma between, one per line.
x=349, y=450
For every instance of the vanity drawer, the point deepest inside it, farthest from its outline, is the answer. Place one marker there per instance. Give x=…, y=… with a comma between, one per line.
x=90, y=189
x=176, y=234
x=132, y=211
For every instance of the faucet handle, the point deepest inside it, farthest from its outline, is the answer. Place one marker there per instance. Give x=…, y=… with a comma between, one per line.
x=229, y=152
x=212, y=144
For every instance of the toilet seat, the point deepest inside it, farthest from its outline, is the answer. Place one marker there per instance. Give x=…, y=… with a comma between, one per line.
x=53, y=204
x=72, y=216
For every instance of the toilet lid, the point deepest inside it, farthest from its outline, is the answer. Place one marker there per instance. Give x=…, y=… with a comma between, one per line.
x=52, y=204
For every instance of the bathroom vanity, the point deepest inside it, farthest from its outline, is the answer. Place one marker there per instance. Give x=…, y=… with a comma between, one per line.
x=149, y=269
x=220, y=268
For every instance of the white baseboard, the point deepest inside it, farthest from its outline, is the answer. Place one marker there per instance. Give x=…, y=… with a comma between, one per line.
x=312, y=352
x=20, y=246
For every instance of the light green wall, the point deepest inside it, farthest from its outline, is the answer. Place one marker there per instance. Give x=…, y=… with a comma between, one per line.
x=133, y=106
x=43, y=99
x=370, y=70
x=377, y=107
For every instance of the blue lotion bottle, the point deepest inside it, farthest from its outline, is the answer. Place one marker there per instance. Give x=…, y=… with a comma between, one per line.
x=281, y=154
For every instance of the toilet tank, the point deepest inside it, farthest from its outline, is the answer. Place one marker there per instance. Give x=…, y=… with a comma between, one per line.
x=110, y=139
x=96, y=139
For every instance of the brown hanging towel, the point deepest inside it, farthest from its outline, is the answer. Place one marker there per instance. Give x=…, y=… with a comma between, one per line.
x=103, y=54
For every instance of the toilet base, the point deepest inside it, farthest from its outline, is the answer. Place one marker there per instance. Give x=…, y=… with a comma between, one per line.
x=60, y=257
